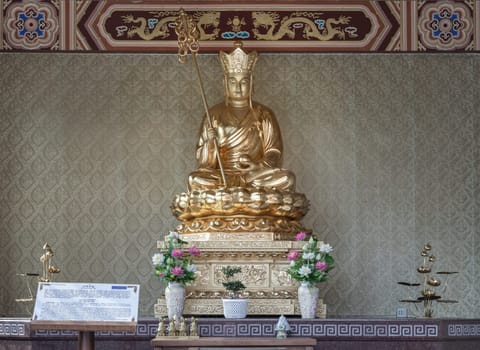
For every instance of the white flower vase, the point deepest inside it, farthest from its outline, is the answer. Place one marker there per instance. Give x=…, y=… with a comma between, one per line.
x=175, y=300
x=308, y=299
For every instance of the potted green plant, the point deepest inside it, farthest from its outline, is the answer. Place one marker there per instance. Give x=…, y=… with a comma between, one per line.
x=234, y=305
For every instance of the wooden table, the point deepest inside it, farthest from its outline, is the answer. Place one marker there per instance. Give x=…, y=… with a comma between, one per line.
x=86, y=329
x=292, y=343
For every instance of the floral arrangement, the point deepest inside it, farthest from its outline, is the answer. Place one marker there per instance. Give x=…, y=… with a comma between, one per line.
x=174, y=263
x=313, y=263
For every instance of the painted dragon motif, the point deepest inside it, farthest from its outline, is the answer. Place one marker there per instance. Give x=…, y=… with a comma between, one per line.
x=206, y=20
x=161, y=29
x=269, y=20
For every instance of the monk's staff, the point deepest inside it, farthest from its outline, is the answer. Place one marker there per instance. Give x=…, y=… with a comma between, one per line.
x=187, y=33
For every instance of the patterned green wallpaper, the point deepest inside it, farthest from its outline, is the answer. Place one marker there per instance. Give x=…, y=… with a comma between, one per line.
x=93, y=148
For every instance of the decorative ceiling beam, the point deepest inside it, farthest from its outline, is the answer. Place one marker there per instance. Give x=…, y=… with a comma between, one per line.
x=275, y=26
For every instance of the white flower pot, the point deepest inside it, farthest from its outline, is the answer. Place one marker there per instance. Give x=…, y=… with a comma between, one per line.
x=235, y=308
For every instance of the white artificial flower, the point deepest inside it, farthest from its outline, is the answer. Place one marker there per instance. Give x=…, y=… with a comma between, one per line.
x=305, y=247
x=192, y=268
x=292, y=263
x=308, y=256
x=304, y=270
x=325, y=248
x=173, y=234
x=158, y=258
x=311, y=240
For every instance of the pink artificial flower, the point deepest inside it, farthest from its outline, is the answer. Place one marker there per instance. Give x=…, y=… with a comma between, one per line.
x=292, y=255
x=177, y=271
x=321, y=265
x=194, y=251
x=301, y=236
x=177, y=253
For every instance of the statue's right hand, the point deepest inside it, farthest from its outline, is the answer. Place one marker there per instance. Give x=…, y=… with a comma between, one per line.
x=212, y=134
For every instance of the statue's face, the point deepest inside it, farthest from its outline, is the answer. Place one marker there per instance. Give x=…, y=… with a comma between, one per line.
x=238, y=86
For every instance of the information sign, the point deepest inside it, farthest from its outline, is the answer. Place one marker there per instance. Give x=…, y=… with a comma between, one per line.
x=86, y=302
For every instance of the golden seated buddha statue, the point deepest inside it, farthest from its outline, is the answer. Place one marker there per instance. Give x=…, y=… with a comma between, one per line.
x=239, y=184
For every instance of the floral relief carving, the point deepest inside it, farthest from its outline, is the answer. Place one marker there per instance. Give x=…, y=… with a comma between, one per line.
x=251, y=275
x=280, y=276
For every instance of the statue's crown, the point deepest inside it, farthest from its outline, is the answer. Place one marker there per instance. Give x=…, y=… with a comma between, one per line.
x=238, y=61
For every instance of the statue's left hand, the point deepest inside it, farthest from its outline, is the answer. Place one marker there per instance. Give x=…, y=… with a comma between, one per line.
x=246, y=164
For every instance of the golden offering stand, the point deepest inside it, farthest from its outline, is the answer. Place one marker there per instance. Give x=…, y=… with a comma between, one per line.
x=48, y=270
x=27, y=301
x=429, y=291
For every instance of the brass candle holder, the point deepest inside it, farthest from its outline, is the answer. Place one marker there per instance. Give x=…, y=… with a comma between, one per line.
x=429, y=288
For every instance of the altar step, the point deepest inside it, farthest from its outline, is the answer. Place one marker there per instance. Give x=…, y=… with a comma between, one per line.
x=256, y=307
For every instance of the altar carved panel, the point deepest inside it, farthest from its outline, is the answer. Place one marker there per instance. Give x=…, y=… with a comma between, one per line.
x=269, y=288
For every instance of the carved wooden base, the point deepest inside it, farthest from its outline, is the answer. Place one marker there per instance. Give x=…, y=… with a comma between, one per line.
x=264, y=264
x=256, y=307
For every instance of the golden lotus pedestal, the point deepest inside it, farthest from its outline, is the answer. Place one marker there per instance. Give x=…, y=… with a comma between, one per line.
x=263, y=259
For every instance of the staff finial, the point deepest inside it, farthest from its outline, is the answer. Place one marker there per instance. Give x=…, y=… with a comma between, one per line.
x=187, y=34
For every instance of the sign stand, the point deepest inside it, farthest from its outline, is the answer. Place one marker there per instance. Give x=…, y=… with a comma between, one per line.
x=86, y=340
x=86, y=329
